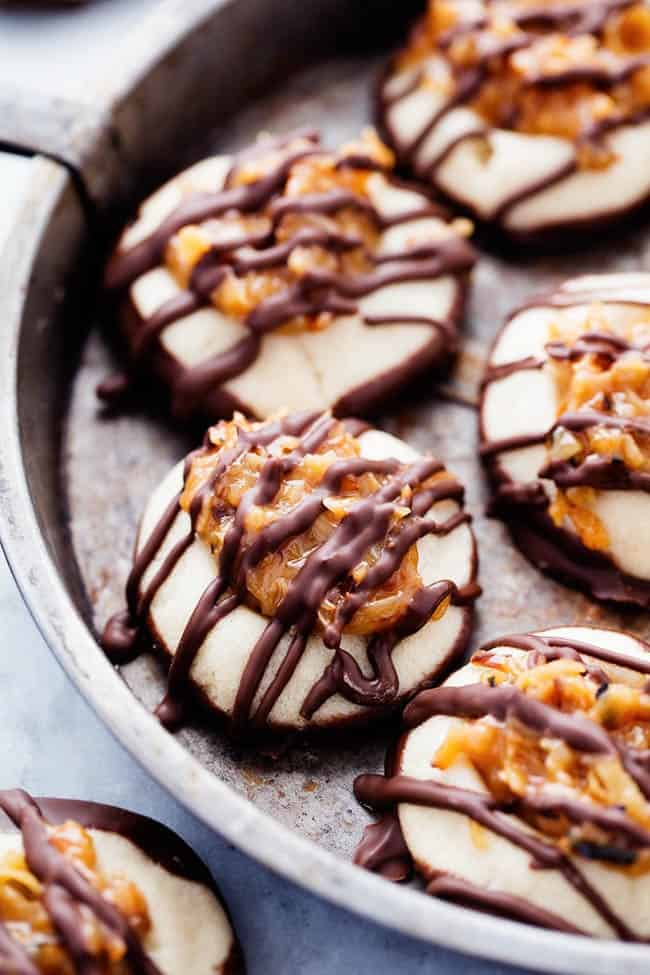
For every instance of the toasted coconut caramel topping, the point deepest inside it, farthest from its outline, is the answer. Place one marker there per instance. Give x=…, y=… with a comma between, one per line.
x=558, y=69
x=311, y=237
x=268, y=581
x=26, y=914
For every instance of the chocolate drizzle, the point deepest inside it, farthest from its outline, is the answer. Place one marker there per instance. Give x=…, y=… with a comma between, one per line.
x=524, y=505
x=311, y=295
x=458, y=891
x=550, y=647
x=66, y=891
x=571, y=18
x=383, y=847
x=326, y=570
x=13, y=957
x=504, y=704
x=600, y=473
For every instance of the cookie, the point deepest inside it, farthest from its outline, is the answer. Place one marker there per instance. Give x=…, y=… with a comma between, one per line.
x=300, y=573
x=86, y=887
x=521, y=786
x=288, y=276
x=534, y=117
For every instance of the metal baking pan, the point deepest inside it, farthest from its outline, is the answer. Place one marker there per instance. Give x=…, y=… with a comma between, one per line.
x=73, y=482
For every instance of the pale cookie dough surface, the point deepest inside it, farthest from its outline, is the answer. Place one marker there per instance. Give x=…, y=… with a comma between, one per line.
x=445, y=841
x=219, y=665
x=525, y=402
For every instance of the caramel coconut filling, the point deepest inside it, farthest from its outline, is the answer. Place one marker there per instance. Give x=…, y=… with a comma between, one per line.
x=602, y=378
x=268, y=582
x=323, y=226
x=314, y=537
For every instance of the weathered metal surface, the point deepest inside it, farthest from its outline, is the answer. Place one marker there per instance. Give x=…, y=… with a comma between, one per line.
x=108, y=468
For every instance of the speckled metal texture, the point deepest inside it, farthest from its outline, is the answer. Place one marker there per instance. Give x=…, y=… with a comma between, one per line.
x=81, y=486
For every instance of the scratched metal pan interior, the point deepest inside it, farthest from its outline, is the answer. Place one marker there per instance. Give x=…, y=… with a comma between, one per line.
x=109, y=465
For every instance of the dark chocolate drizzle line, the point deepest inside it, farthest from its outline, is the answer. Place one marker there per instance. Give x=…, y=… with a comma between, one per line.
x=121, y=634
x=603, y=76
x=507, y=496
x=504, y=703
x=594, y=343
x=503, y=370
x=176, y=307
x=344, y=675
x=380, y=793
x=601, y=473
x=67, y=916
x=66, y=890
x=312, y=295
x=383, y=848
x=13, y=957
x=517, y=442
x=583, y=419
x=576, y=19
x=458, y=891
x=325, y=570
x=398, y=544
x=546, y=644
